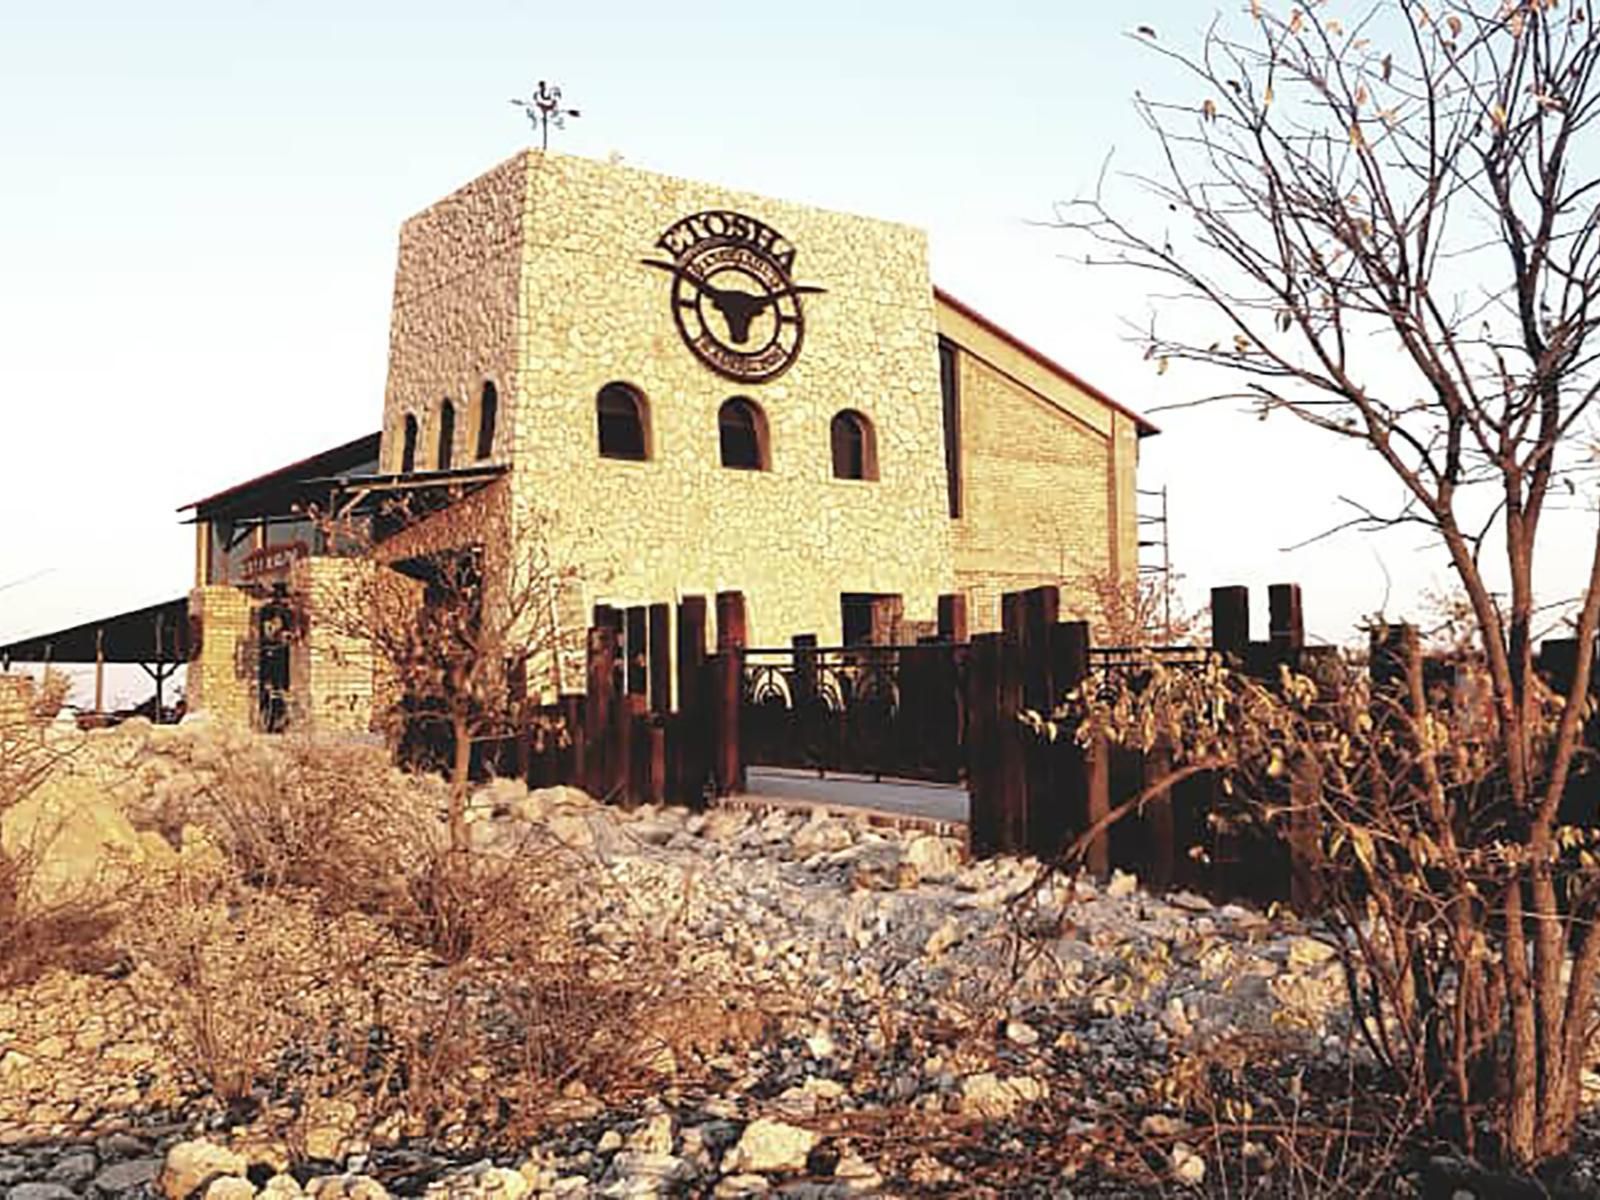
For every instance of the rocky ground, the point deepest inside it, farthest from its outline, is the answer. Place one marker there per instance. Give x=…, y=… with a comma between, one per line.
x=922, y=1031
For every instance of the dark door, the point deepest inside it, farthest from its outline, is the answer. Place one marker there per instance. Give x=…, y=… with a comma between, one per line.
x=275, y=620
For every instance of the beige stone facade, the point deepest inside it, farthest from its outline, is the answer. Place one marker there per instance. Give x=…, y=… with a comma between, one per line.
x=531, y=278
x=521, y=296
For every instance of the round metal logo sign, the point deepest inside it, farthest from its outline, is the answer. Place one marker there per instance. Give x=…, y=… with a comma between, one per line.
x=734, y=298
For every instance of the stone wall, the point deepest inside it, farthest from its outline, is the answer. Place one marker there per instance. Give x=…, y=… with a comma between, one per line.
x=220, y=679
x=587, y=312
x=1048, y=475
x=456, y=318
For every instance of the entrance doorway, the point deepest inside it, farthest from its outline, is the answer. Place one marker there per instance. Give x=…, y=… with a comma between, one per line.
x=274, y=625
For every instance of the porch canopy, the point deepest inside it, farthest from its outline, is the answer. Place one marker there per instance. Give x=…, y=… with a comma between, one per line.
x=155, y=637
x=155, y=633
x=341, y=482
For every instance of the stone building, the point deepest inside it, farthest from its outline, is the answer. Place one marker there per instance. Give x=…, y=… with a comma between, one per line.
x=697, y=390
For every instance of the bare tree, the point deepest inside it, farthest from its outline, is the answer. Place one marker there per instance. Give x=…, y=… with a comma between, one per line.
x=465, y=619
x=1387, y=226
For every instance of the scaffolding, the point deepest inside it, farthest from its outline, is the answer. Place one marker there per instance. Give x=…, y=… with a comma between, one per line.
x=1155, y=552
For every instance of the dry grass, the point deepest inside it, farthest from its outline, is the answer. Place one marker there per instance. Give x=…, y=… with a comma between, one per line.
x=337, y=950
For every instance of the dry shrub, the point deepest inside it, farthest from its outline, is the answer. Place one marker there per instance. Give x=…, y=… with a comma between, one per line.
x=341, y=948
x=299, y=813
x=1272, y=1121
x=265, y=994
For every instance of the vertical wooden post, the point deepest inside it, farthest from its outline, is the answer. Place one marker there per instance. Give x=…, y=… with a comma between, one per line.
x=1161, y=841
x=571, y=766
x=1287, y=626
x=1011, y=614
x=638, y=653
x=983, y=724
x=1305, y=835
x=1230, y=621
x=1041, y=806
x=160, y=660
x=805, y=672
x=99, y=672
x=599, y=717
x=1391, y=649
x=660, y=659
x=694, y=723
x=1098, y=806
x=953, y=617
x=1068, y=651
x=1011, y=770
x=728, y=692
x=731, y=627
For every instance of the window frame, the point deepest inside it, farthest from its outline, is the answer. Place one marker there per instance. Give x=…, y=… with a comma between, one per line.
x=641, y=418
x=757, y=433
x=866, y=445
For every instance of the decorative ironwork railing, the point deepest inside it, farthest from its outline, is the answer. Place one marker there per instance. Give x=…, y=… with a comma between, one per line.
x=1140, y=658
x=894, y=711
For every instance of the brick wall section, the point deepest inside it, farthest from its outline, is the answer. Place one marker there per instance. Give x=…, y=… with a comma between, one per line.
x=220, y=679
x=1048, y=479
x=331, y=679
x=18, y=695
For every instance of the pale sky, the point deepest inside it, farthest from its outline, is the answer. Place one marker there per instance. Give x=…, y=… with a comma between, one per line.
x=201, y=205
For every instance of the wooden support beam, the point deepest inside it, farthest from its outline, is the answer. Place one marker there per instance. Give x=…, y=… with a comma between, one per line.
x=638, y=652
x=693, y=743
x=1287, y=625
x=599, y=716
x=99, y=672
x=731, y=624
x=953, y=617
x=984, y=802
x=660, y=638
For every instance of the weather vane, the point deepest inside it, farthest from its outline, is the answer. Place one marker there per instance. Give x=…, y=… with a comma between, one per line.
x=544, y=110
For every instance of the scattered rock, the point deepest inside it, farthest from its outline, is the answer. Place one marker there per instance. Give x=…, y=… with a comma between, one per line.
x=191, y=1165
x=1187, y=1166
x=767, y=1146
x=127, y=1176
x=988, y=1096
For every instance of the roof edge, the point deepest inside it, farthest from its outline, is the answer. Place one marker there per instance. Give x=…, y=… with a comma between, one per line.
x=1145, y=427
x=347, y=447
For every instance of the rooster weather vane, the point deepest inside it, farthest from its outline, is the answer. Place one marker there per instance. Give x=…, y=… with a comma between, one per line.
x=544, y=110
x=760, y=312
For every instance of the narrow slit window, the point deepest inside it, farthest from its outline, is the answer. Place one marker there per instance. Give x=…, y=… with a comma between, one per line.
x=447, y=434
x=488, y=414
x=408, y=449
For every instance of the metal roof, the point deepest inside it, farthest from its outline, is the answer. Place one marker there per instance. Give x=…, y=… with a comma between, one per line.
x=154, y=633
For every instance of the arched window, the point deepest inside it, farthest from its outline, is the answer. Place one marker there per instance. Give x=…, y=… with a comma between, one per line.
x=624, y=422
x=408, y=450
x=742, y=427
x=855, y=446
x=447, y=434
x=488, y=413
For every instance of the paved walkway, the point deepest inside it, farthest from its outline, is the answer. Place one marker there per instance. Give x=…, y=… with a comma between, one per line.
x=940, y=802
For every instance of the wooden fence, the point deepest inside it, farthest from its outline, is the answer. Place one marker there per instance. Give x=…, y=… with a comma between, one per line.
x=678, y=720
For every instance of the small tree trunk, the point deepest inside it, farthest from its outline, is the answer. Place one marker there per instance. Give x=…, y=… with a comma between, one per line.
x=460, y=777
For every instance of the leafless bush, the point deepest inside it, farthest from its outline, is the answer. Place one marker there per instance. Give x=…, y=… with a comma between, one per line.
x=343, y=949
